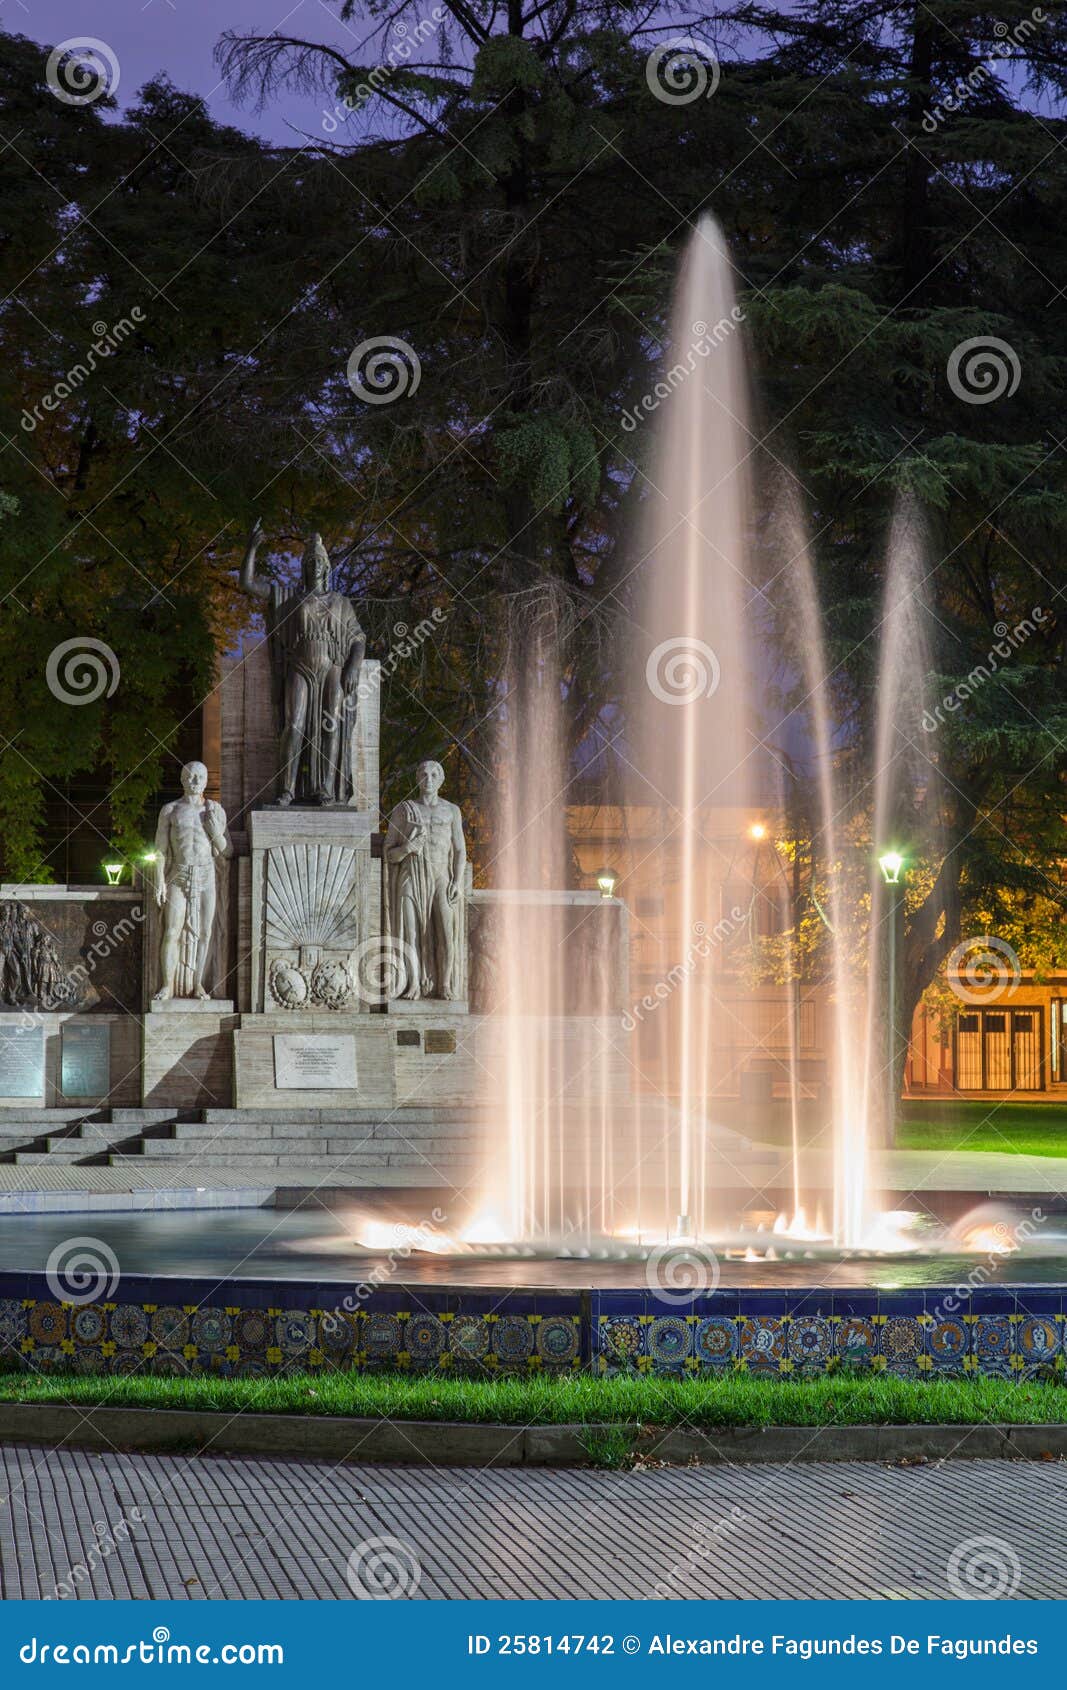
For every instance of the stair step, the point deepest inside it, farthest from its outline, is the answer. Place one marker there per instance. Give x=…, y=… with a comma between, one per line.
x=356, y=1115
x=133, y=1118
x=14, y=1116
x=36, y=1158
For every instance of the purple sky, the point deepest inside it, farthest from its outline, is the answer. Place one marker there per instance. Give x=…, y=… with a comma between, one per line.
x=179, y=36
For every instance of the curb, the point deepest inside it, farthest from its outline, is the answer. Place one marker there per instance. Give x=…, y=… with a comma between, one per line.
x=444, y=1443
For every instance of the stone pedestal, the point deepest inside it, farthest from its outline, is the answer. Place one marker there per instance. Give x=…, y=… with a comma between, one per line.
x=316, y=912
x=277, y=1053
x=425, y=1008
x=421, y=1059
x=187, y=1054
x=249, y=729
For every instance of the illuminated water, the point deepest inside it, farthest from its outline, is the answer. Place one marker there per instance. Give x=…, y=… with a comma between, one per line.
x=311, y=1246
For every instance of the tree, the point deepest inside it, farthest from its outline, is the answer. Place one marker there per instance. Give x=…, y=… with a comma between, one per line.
x=915, y=346
x=133, y=307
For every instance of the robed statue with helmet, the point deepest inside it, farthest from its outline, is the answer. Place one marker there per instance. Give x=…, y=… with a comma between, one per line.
x=316, y=648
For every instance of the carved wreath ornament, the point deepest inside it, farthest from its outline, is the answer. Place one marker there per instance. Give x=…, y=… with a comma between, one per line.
x=330, y=985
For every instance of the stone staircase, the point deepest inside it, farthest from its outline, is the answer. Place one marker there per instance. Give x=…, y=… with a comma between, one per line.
x=380, y=1146
x=372, y=1148
x=85, y=1135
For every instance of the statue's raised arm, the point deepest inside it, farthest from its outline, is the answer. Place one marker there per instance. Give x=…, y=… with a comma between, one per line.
x=257, y=585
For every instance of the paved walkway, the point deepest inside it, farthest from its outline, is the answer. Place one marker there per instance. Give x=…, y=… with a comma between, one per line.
x=201, y=1527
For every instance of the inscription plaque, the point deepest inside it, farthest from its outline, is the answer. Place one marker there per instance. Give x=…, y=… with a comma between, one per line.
x=314, y=1061
x=22, y=1062
x=439, y=1042
x=408, y=1036
x=85, y=1065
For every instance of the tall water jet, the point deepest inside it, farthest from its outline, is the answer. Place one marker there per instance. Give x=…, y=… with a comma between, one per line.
x=901, y=769
x=843, y=914
x=699, y=665
x=691, y=736
x=859, y=906
x=525, y=1196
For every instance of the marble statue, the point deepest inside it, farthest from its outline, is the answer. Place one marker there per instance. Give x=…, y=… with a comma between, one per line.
x=31, y=972
x=426, y=865
x=190, y=842
x=316, y=650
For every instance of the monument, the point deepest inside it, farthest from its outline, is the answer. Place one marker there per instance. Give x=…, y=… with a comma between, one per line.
x=281, y=950
x=190, y=844
x=426, y=870
x=316, y=649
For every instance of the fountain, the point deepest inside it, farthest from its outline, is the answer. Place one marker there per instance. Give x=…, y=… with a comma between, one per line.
x=612, y=1227
x=693, y=740
x=604, y=1176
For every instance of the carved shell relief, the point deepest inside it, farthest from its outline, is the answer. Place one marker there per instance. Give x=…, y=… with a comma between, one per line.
x=312, y=912
x=312, y=898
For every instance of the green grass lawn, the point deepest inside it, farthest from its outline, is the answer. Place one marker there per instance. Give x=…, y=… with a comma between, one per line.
x=736, y=1400
x=1032, y=1129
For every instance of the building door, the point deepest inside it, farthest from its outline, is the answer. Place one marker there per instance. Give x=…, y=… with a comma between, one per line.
x=1000, y=1050
x=996, y=1025
x=1026, y=1049
x=1057, y=1029
x=969, y=1051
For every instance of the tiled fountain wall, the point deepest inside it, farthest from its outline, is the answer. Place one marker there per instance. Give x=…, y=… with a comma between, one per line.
x=247, y=1328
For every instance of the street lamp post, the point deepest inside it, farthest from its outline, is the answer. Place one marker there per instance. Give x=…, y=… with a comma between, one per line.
x=606, y=880
x=891, y=864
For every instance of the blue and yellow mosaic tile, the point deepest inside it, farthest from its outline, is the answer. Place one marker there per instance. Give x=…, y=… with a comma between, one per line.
x=251, y=1330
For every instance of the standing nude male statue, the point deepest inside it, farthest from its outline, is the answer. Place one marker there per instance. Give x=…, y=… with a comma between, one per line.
x=426, y=857
x=316, y=648
x=190, y=840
